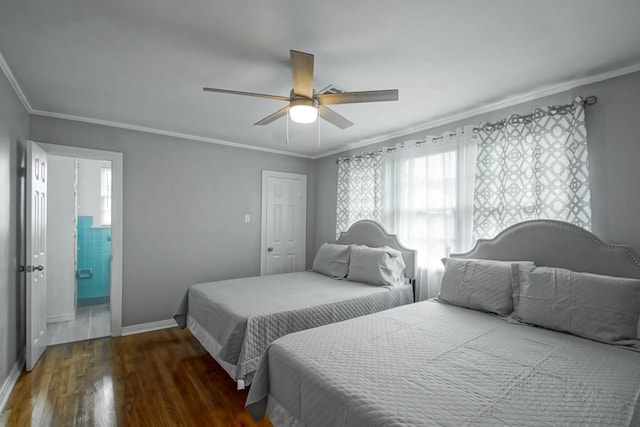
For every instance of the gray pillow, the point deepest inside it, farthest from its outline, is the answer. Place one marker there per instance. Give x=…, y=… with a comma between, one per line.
x=480, y=284
x=382, y=266
x=601, y=308
x=332, y=260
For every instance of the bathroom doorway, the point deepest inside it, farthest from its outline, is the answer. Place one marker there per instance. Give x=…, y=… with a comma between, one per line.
x=84, y=244
x=79, y=241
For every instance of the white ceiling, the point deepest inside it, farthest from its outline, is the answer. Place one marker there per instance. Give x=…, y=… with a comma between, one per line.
x=144, y=62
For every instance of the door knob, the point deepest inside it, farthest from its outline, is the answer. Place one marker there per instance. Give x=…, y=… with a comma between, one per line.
x=270, y=249
x=38, y=267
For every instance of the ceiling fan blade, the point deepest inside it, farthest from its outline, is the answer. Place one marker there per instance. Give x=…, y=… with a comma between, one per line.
x=302, y=71
x=273, y=117
x=334, y=118
x=352, y=97
x=258, y=95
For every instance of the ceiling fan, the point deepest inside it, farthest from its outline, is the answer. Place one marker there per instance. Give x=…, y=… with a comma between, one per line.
x=305, y=105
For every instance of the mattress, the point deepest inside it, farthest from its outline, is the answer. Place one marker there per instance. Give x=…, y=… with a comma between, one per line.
x=435, y=364
x=237, y=319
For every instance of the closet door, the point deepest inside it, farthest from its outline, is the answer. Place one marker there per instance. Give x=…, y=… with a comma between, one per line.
x=284, y=212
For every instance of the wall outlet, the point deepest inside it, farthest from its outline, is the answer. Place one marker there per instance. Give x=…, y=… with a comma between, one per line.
x=247, y=218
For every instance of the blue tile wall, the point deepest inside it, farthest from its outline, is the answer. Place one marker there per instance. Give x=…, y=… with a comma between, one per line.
x=94, y=252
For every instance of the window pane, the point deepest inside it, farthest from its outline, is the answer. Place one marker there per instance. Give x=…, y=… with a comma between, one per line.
x=105, y=196
x=428, y=186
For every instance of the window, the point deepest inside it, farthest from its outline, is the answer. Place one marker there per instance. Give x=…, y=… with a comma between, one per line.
x=105, y=196
x=421, y=206
x=431, y=215
x=428, y=200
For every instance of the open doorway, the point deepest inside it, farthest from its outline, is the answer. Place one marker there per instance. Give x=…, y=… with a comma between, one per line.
x=114, y=233
x=79, y=243
x=35, y=237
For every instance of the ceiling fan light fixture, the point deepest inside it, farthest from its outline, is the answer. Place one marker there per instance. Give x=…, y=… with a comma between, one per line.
x=303, y=111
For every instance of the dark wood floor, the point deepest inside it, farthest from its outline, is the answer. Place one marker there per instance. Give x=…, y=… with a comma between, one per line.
x=162, y=378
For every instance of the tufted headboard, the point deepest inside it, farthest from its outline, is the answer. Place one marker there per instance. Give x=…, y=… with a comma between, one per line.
x=557, y=244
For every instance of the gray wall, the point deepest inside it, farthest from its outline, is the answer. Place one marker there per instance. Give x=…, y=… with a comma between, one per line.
x=14, y=126
x=184, y=206
x=613, y=128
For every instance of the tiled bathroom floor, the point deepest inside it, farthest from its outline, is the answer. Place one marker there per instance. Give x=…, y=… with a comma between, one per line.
x=90, y=322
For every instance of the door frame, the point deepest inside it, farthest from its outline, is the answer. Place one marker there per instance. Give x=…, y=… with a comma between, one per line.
x=115, y=291
x=263, y=214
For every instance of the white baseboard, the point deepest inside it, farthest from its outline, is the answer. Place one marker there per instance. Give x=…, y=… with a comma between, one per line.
x=10, y=382
x=148, y=327
x=61, y=317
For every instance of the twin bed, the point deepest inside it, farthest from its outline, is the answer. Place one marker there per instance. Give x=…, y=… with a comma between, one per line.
x=236, y=320
x=432, y=363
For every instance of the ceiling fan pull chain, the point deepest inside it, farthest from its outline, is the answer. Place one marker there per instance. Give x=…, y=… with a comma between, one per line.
x=287, y=136
x=318, y=141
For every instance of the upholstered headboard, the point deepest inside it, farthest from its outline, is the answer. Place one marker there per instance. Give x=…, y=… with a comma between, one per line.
x=557, y=244
x=370, y=233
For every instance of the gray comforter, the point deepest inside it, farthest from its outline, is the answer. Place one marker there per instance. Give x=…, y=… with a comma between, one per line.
x=434, y=364
x=245, y=315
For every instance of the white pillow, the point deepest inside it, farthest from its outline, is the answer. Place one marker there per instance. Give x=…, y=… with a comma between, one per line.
x=480, y=284
x=332, y=260
x=377, y=266
x=601, y=308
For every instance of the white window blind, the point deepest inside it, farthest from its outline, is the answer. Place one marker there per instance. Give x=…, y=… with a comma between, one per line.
x=105, y=196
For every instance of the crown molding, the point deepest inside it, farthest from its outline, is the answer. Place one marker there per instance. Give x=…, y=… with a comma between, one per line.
x=164, y=133
x=30, y=110
x=509, y=102
x=14, y=84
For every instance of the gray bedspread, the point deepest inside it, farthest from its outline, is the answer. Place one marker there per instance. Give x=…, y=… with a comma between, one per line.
x=245, y=315
x=434, y=364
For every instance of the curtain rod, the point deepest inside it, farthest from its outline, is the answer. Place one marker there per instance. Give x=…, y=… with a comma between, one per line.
x=358, y=156
x=537, y=114
x=552, y=110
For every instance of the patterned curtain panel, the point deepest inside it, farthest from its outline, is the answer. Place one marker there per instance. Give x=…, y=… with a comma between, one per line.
x=532, y=167
x=359, y=190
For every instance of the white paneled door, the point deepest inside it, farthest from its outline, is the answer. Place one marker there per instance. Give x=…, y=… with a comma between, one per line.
x=36, y=238
x=284, y=215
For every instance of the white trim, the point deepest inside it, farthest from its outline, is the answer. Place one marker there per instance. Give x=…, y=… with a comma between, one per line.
x=117, y=219
x=10, y=382
x=529, y=96
x=25, y=102
x=148, y=327
x=61, y=317
x=263, y=217
x=14, y=84
x=164, y=133
x=509, y=102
